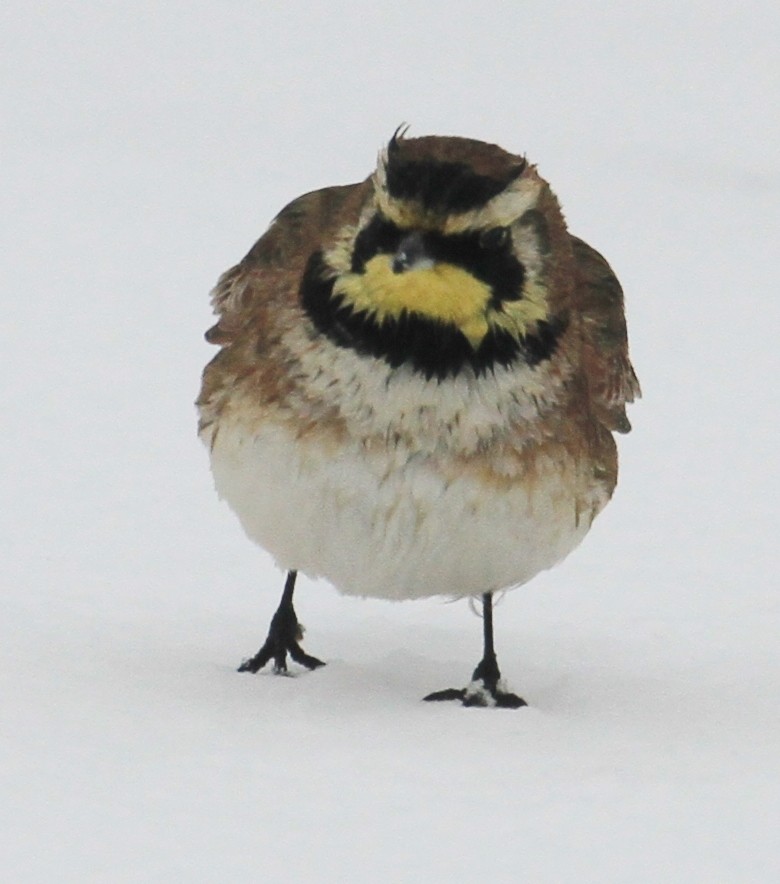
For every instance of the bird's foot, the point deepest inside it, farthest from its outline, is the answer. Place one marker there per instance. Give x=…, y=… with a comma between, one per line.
x=480, y=694
x=284, y=638
x=487, y=688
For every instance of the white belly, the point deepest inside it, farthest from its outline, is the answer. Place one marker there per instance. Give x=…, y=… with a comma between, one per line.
x=390, y=524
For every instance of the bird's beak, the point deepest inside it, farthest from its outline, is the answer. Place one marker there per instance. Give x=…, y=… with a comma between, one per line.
x=412, y=254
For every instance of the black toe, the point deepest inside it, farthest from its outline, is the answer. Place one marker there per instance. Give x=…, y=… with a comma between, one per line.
x=447, y=694
x=278, y=647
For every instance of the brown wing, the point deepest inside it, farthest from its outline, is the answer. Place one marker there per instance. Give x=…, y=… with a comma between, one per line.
x=611, y=378
x=258, y=298
x=272, y=269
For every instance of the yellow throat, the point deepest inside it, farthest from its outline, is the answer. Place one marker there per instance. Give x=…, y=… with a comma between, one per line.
x=444, y=293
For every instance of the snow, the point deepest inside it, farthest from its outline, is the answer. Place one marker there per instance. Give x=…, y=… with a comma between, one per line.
x=145, y=147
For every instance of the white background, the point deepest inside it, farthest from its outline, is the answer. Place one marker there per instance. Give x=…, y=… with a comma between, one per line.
x=145, y=146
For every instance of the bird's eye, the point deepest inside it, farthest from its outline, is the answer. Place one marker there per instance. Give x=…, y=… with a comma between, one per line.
x=495, y=238
x=380, y=235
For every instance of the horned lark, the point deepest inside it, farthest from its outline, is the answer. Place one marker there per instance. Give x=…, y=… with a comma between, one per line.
x=417, y=386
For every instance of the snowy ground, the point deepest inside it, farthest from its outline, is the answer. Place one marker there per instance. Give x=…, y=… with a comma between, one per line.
x=144, y=148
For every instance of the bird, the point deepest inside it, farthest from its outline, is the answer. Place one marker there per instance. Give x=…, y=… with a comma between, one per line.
x=417, y=386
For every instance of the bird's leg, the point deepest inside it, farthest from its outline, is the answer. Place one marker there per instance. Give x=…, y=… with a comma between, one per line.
x=486, y=688
x=284, y=636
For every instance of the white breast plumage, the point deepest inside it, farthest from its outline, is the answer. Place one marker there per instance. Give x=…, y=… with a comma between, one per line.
x=383, y=517
x=392, y=524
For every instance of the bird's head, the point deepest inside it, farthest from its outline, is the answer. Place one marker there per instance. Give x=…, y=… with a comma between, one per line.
x=450, y=264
